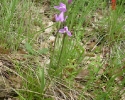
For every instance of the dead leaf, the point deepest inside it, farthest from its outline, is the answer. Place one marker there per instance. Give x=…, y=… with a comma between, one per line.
x=82, y=74
x=4, y=51
x=90, y=54
x=21, y=51
x=90, y=45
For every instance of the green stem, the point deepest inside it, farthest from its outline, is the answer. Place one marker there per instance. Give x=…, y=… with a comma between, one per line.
x=53, y=48
x=61, y=49
x=58, y=60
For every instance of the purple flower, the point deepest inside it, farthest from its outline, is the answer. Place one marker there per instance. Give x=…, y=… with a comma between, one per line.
x=61, y=7
x=69, y=1
x=60, y=17
x=65, y=30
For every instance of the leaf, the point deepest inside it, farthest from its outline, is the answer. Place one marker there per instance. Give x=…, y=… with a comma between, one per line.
x=43, y=51
x=82, y=74
x=42, y=79
x=29, y=48
x=96, y=69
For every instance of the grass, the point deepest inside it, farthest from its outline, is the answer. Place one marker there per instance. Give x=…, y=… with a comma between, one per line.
x=89, y=65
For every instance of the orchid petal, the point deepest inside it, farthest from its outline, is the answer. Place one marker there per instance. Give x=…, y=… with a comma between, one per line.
x=60, y=17
x=62, y=31
x=68, y=33
x=56, y=17
x=66, y=28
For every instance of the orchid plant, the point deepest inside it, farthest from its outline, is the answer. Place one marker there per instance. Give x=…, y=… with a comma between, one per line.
x=64, y=28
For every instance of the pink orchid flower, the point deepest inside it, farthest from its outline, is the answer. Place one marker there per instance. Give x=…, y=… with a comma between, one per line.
x=60, y=17
x=65, y=30
x=61, y=7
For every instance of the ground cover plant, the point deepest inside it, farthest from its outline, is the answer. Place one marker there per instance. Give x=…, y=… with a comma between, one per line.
x=62, y=50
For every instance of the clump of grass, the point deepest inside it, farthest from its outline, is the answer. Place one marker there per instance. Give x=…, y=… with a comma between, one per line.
x=17, y=23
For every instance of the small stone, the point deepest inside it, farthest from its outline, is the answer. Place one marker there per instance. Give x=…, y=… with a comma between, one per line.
x=1, y=64
x=51, y=39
